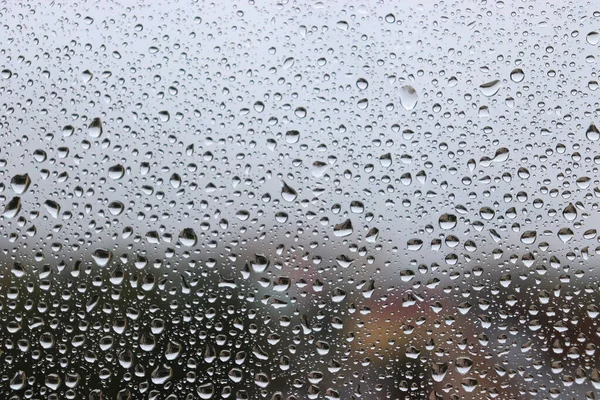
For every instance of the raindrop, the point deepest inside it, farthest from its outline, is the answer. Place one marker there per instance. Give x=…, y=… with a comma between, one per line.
x=342, y=25
x=362, y=84
x=101, y=257
x=343, y=229
x=12, y=208
x=292, y=136
x=188, y=237
x=490, y=88
x=447, y=221
x=86, y=76
x=288, y=193
x=408, y=97
x=593, y=38
x=95, y=128
x=259, y=106
x=116, y=171
x=517, y=75
x=592, y=133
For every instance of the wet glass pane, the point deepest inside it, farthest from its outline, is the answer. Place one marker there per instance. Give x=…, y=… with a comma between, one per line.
x=299, y=200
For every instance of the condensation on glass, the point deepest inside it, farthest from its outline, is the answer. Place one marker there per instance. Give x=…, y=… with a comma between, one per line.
x=299, y=200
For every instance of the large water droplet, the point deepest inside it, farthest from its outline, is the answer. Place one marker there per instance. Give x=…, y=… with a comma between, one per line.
x=408, y=97
x=288, y=193
x=95, y=128
x=490, y=88
x=343, y=229
x=188, y=237
x=517, y=75
x=592, y=133
x=570, y=212
x=12, y=208
x=101, y=257
x=448, y=221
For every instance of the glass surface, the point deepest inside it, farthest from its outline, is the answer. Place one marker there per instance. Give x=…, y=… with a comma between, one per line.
x=299, y=200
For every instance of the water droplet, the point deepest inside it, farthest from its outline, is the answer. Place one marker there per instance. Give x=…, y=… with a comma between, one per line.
x=463, y=365
x=342, y=25
x=116, y=171
x=593, y=38
x=570, y=212
x=438, y=371
x=20, y=183
x=259, y=106
x=52, y=207
x=565, y=234
x=501, y=155
x=18, y=380
x=164, y=116
x=490, y=88
x=101, y=257
x=517, y=75
x=6, y=74
x=448, y=221
x=408, y=97
x=12, y=208
x=343, y=229
x=362, y=83
x=528, y=237
x=188, y=237
x=300, y=112
x=52, y=381
x=287, y=192
x=115, y=208
x=292, y=136
x=363, y=104
x=592, y=133
x=95, y=128
x=86, y=76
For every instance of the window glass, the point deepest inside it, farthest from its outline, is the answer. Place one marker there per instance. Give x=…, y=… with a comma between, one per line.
x=299, y=200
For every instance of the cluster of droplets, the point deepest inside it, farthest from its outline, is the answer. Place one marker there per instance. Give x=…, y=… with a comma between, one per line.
x=310, y=201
